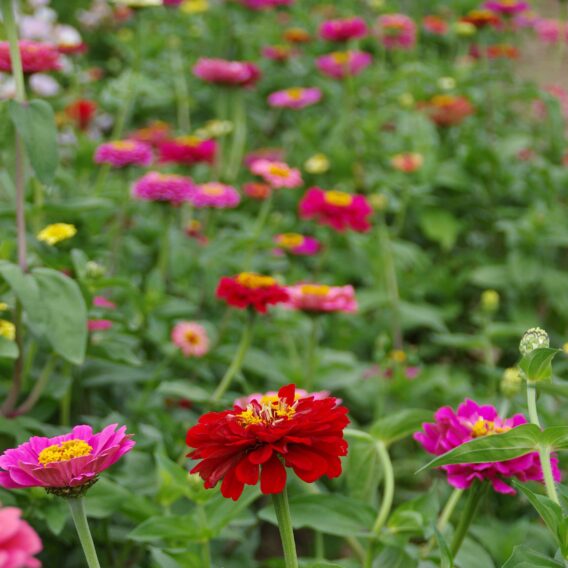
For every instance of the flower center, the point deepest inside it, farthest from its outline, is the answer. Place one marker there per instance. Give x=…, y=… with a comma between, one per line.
x=290, y=240
x=443, y=100
x=253, y=281
x=189, y=140
x=315, y=290
x=192, y=337
x=271, y=410
x=279, y=170
x=124, y=145
x=487, y=428
x=338, y=198
x=64, y=451
x=340, y=57
x=213, y=189
x=295, y=93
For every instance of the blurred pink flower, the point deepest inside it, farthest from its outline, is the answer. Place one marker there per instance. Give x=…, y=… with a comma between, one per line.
x=99, y=325
x=187, y=150
x=36, y=57
x=343, y=29
x=397, y=31
x=227, y=73
x=295, y=97
x=155, y=186
x=550, y=31
x=320, y=298
x=265, y=4
x=102, y=302
x=341, y=64
x=191, y=338
x=506, y=7
x=216, y=195
x=269, y=154
x=277, y=174
x=121, y=153
x=18, y=541
x=296, y=244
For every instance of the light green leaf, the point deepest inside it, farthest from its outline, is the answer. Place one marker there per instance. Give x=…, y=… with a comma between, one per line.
x=8, y=349
x=440, y=226
x=399, y=425
x=537, y=365
x=524, y=557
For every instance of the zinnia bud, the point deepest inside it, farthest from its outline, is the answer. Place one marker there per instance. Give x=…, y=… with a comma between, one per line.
x=511, y=382
x=534, y=338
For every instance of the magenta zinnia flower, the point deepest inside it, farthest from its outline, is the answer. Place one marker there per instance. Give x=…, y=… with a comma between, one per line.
x=296, y=244
x=506, y=7
x=397, y=31
x=320, y=298
x=155, y=186
x=265, y=4
x=123, y=153
x=452, y=429
x=277, y=174
x=227, y=73
x=295, y=97
x=72, y=460
x=36, y=57
x=18, y=541
x=341, y=64
x=343, y=29
x=188, y=150
x=216, y=195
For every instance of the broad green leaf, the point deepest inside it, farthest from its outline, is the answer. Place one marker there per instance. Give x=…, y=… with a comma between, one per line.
x=416, y=515
x=183, y=527
x=440, y=226
x=555, y=437
x=524, y=557
x=394, y=557
x=337, y=515
x=66, y=314
x=220, y=511
x=320, y=564
x=8, y=349
x=537, y=365
x=499, y=447
x=399, y=425
x=35, y=122
x=185, y=390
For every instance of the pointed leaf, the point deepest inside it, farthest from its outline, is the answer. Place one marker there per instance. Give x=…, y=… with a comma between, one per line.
x=524, y=557
x=537, y=365
x=399, y=425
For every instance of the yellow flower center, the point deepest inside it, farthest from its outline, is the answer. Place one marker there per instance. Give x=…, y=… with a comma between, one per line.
x=279, y=170
x=443, y=100
x=338, y=198
x=290, y=240
x=487, y=428
x=295, y=93
x=315, y=290
x=272, y=410
x=213, y=189
x=398, y=356
x=189, y=140
x=253, y=280
x=123, y=145
x=192, y=337
x=341, y=57
x=64, y=451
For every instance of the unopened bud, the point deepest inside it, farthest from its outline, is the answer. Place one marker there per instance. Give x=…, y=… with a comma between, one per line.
x=511, y=382
x=534, y=338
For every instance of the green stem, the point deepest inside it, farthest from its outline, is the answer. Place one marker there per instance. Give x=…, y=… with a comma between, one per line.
x=164, y=253
x=282, y=509
x=77, y=506
x=444, y=519
x=181, y=88
x=239, y=137
x=205, y=545
x=311, y=353
x=39, y=387
x=261, y=220
x=475, y=497
x=319, y=546
x=15, y=56
x=388, y=496
x=237, y=362
x=531, y=402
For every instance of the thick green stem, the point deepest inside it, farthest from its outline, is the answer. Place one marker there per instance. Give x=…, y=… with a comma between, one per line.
x=531, y=402
x=311, y=353
x=282, y=510
x=475, y=497
x=237, y=362
x=77, y=507
x=444, y=519
x=387, y=500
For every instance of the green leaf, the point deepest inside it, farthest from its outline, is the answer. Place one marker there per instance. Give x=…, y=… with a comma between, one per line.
x=447, y=560
x=537, y=365
x=340, y=516
x=399, y=425
x=35, y=122
x=184, y=527
x=221, y=512
x=66, y=314
x=525, y=557
x=184, y=390
x=500, y=447
x=8, y=349
x=555, y=437
x=440, y=226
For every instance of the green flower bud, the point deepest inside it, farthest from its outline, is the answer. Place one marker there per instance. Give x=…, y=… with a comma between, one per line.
x=534, y=338
x=511, y=382
x=490, y=301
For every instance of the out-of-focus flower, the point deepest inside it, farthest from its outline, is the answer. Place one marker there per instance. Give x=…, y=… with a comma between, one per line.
x=18, y=541
x=82, y=113
x=65, y=465
x=295, y=97
x=138, y=3
x=271, y=396
x=191, y=338
x=7, y=330
x=565, y=348
x=506, y=7
x=396, y=31
x=264, y=4
x=317, y=164
x=155, y=186
x=251, y=290
x=481, y=19
x=44, y=85
x=435, y=25
x=319, y=298
x=266, y=437
x=102, y=302
x=344, y=29
x=256, y=190
x=216, y=195
x=296, y=244
x=36, y=57
x=279, y=53
x=277, y=174
x=215, y=129
x=336, y=209
x=227, y=73
x=154, y=134
x=194, y=6
x=496, y=51
x=408, y=162
x=3, y=306
x=122, y=153
x=57, y=232
x=490, y=300
x=452, y=429
x=511, y=382
x=379, y=201
x=465, y=29
x=187, y=150
x=342, y=64
x=270, y=154
x=297, y=35
x=447, y=83
x=550, y=31
x=447, y=110
x=406, y=100
x=99, y=324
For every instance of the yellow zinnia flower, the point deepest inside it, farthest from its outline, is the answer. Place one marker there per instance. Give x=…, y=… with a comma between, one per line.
x=53, y=234
x=7, y=330
x=317, y=164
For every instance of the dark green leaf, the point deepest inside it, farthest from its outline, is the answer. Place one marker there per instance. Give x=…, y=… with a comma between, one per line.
x=447, y=560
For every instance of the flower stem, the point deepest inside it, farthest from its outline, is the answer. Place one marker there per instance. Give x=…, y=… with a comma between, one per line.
x=543, y=453
x=444, y=519
x=261, y=219
x=475, y=497
x=181, y=88
x=388, y=496
x=311, y=353
x=237, y=362
x=239, y=137
x=77, y=506
x=38, y=388
x=15, y=56
x=282, y=509
x=164, y=253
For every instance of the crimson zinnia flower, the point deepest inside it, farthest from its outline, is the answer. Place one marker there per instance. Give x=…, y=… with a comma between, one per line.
x=245, y=444
x=36, y=57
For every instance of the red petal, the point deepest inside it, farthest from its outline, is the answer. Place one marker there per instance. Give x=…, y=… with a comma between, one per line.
x=231, y=488
x=288, y=394
x=261, y=455
x=308, y=465
x=273, y=477
x=247, y=472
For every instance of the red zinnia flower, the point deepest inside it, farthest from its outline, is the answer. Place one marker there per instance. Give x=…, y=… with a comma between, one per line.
x=248, y=289
x=36, y=57
x=447, y=110
x=82, y=112
x=243, y=445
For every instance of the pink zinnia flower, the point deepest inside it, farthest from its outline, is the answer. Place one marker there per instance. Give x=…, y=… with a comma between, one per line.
x=549, y=31
x=216, y=195
x=18, y=541
x=341, y=64
x=397, y=31
x=336, y=209
x=277, y=174
x=99, y=325
x=187, y=150
x=295, y=97
x=452, y=429
x=155, y=186
x=343, y=29
x=506, y=7
x=320, y=298
x=71, y=460
x=191, y=338
x=36, y=57
x=227, y=73
x=269, y=154
x=265, y=4
x=260, y=191
x=244, y=401
x=102, y=302
x=123, y=153
x=296, y=244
